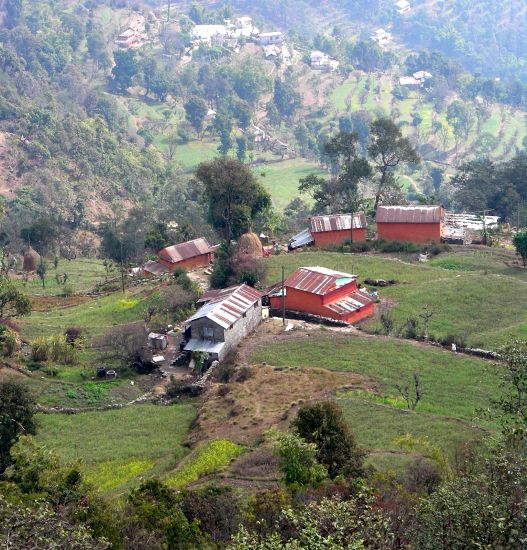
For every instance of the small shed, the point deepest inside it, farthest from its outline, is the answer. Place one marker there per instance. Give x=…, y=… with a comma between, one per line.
x=158, y=341
x=418, y=224
x=189, y=255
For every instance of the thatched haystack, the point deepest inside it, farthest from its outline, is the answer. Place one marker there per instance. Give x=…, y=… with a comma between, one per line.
x=31, y=259
x=250, y=245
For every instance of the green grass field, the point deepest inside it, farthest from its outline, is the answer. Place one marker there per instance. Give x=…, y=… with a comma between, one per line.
x=131, y=441
x=281, y=179
x=82, y=276
x=485, y=307
x=96, y=316
x=454, y=388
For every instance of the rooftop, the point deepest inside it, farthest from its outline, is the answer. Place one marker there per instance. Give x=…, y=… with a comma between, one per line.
x=317, y=280
x=409, y=214
x=184, y=251
x=228, y=305
x=337, y=222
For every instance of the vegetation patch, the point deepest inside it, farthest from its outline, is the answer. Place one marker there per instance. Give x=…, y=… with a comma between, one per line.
x=111, y=474
x=211, y=458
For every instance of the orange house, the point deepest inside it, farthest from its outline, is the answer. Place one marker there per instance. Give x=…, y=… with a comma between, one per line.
x=336, y=228
x=189, y=255
x=325, y=293
x=418, y=224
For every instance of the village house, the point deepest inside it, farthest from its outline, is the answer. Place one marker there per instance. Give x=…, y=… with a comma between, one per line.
x=418, y=224
x=324, y=293
x=337, y=228
x=381, y=37
x=225, y=318
x=322, y=62
x=417, y=80
x=270, y=38
x=128, y=39
x=402, y=7
x=189, y=255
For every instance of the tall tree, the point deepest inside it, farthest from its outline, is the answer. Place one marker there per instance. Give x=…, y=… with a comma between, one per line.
x=196, y=110
x=388, y=149
x=324, y=425
x=340, y=193
x=126, y=67
x=233, y=194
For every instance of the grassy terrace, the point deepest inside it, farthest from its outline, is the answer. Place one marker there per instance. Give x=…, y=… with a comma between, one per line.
x=118, y=445
x=454, y=387
x=473, y=294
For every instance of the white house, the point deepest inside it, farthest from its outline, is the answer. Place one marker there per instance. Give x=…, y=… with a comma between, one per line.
x=422, y=76
x=381, y=37
x=322, y=61
x=409, y=81
x=402, y=7
x=268, y=38
x=205, y=34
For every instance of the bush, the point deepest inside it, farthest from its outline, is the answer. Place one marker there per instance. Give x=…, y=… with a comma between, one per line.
x=224, y=372
x=67, y=291
x=459, y=340
x=54, y=348
x=435, y=249
x=244, y=373
x=391, y=247
x=73, y=335
x=8, y=341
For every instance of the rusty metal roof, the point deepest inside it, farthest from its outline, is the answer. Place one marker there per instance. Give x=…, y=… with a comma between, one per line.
x=184, y=251
x=317, y=280
x=337, y=222
x=155, y=268
x=227, y=305
x=355, y=301
x=409, y=214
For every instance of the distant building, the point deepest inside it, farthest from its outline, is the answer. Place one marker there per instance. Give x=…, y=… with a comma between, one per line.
x=189, y=255
x=336, y=228
x=270, y=38
x=225, y=318
x=323, y=292
x=418, y=224
x=321, y=61
x=402, y=7
x=381, y=37
x=128, y=38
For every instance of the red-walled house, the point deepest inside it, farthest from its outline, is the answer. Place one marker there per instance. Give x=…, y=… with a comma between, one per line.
x=336, y=228
x=190, y=255
x=418, y=224
x=323, y=292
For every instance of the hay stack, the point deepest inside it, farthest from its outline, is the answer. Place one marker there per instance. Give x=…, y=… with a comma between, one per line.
x=250, y=245
x=31, y=259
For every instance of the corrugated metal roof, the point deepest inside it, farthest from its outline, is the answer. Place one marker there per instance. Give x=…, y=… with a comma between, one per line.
x=207, y=346
x=228, y=306
x=155, y=268
x=355, y=301
x=317, y=280
x=409, y=214
x=184, y=251
x=338, y=222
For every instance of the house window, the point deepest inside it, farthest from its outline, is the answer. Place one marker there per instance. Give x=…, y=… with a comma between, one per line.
x=244, y=314
x=208, y=333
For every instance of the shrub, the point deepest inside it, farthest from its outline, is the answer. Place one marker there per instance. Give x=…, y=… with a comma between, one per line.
x=73, y=335
x=8, y=341
x=323, y=424
x=391, y=247
x=244, y=373
x=224, y=372
x=459, y=340
x=67, y=291
x=54, y=348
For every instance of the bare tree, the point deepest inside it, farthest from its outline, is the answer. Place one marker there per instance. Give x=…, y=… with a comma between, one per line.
x=412, y=399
